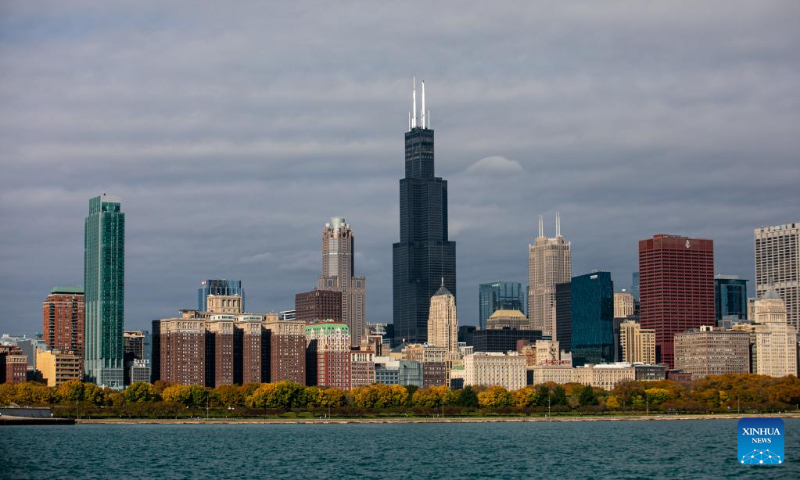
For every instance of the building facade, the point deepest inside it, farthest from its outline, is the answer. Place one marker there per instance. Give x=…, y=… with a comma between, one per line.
x=623, y=305
x=777, y=252
x=362, y=368
x=730, y=297
x=776, y=340
x=677, y=288
x=592, y=318
x=507, y=319
x=62, y=319
x=549, y=263
x=104, y=295
x=218, y=286
x=489, y=369
x=338, y=273
x=58, y=367
x=443, y=322
x=13, y=364
x=502, y=340
x=707, y=351
x=318, y=305
x=638, y=344
x=424, y=255
x=564, y=315
x=328, y=355
x=499, y=296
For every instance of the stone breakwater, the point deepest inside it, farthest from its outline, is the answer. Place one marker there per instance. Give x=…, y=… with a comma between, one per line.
x=344, y=421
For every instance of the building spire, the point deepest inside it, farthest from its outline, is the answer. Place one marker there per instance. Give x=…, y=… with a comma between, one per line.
x=423, y=106
x=414, y=104
x=558, y=224
x=541, y=226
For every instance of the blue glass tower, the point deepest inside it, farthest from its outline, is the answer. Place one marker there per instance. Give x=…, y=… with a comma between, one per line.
x=424, y=259
x=499, y=296
x=592, y=305
x=730, y=297
x=218, y=287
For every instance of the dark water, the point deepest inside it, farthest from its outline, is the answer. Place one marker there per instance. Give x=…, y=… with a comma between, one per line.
x=674, y=449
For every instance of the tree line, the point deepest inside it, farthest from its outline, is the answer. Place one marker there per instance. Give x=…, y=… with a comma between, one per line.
x=745, y=392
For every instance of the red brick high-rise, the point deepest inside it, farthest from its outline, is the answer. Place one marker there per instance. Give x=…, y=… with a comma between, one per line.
x=318, y=305
x=62, y=319
x=676, y=278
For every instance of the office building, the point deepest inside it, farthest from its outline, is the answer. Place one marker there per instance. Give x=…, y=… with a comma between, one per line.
x=465, y=334
x=443, y=322
x=564, y=315
x=624, y=304
x=777, y=252
x=730, y=298
x=387, y=371
x=328, y=355
x=140, y=371
x=707, y=351
x=677, y=288
x=507, y=319
x=776, y=340
x=59, y=366
x=503, y=340
x=494, y=368
x=217, y=286
x=592, y=310
x=318, y=305
x=424, y=255
x=549, y=263
x=499, y=296
x=104, y=295
x=635, y=290
x=338, y=273
x=13, y=364
x=135, y=347
x=362, y=368
x=410, y=374
x=638, y=344
x=62, y=319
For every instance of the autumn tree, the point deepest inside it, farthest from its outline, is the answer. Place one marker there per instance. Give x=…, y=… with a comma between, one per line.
x=494, y=397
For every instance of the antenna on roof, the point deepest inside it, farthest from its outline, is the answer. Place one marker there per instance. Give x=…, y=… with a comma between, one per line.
x=423, y=104
x=414, y=104
x=558, y=224
x=541, y=226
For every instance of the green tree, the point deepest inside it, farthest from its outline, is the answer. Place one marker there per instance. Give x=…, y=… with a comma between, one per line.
x=587, y=396
x=229, y=395
x=141, y=392
x=467, y=397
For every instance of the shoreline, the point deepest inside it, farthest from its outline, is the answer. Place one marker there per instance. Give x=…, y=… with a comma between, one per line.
x=367, y=421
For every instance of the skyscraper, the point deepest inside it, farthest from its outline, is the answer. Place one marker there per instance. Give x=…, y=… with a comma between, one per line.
x=424, y=255
x=730, y=297
x=443, y=322
x=776, y=340
x=499, y=296
x=104, y=283
x=677, y=288
x=592, y=319
x=217, y=286
x=338, y=274
x=62, y=319
x=549, y=263
x=778, y=266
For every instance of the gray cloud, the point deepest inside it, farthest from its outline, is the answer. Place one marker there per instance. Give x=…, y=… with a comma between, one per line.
x=233, y=134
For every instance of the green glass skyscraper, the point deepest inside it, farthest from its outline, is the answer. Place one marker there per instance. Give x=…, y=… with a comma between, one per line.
x=104, y=281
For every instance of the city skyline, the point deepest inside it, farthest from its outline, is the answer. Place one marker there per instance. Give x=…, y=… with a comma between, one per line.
x=514, y=141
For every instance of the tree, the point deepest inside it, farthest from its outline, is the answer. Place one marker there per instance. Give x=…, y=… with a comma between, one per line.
x=433, y=397
x=494, y=397
x=141, y=392
x=467, y=398
x=33, y=393
x=558, y=396
x=181, y=394
x=70, y=392
x=657, y=396
x=229, y=395
x=528, y=397
x=612, y=402
x=587, y=396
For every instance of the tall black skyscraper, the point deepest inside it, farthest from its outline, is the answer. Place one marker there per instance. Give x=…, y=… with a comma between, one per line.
x=424, y=257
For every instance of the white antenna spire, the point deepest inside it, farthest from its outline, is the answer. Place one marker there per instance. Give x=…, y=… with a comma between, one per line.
x=541, y=226
x=423, y=104
x=414, y=104
x=558, y=224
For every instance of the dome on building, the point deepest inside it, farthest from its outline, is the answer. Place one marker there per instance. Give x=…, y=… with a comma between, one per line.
x=507, y=314
x=771, y=294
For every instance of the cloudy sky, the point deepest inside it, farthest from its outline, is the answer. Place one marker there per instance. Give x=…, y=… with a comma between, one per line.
x=234, y=130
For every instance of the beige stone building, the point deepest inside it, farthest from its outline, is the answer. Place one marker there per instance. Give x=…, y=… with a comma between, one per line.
x=59, y=366
x=638, y=344
x=442, y=321
x=708, y=351
x=775, y=339
x=605, y=376
x=492, y=368
x=231, y=304
x=424, y=353
x=362, y=368
x=777, y=259
x=623, y=305
x=549, y=263
x=507, y=319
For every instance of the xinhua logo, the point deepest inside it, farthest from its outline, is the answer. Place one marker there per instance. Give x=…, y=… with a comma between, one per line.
x=761, y=441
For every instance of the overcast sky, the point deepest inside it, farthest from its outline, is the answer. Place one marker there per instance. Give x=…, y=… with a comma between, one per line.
x=233, y=131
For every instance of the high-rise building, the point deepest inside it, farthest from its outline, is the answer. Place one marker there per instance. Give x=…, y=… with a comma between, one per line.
x=13, y=364
x=730, y=297
x=677, y=288
x=623, y=304
x=362, y=368
x=592, y=319
x=706, y=351
x=62, y=319
x=776, y=340
x=104, y=284
x=224, y=304
x=219, y=350
x=635, y=286
x=318, y=305
x=134, y=348
x=58, y=367
x=182, y=353
x=218, y=286
x=488, y=369
x=564, y=315
x=443, y=322
x=549, y=263
x=507, y=319
x=287, y=350
x=499, y=296
x=502, y=340
x=778, y=266
x=338, y=274
x=638, y=344
x=328, y=355
x=424, y=255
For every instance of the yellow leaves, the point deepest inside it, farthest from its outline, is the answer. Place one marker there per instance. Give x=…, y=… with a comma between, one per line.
x=494, y=397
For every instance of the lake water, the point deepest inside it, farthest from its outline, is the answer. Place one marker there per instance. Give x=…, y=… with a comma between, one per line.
x=665, y=449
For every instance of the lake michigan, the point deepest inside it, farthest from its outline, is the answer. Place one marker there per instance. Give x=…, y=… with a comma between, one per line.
x=567, y=450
